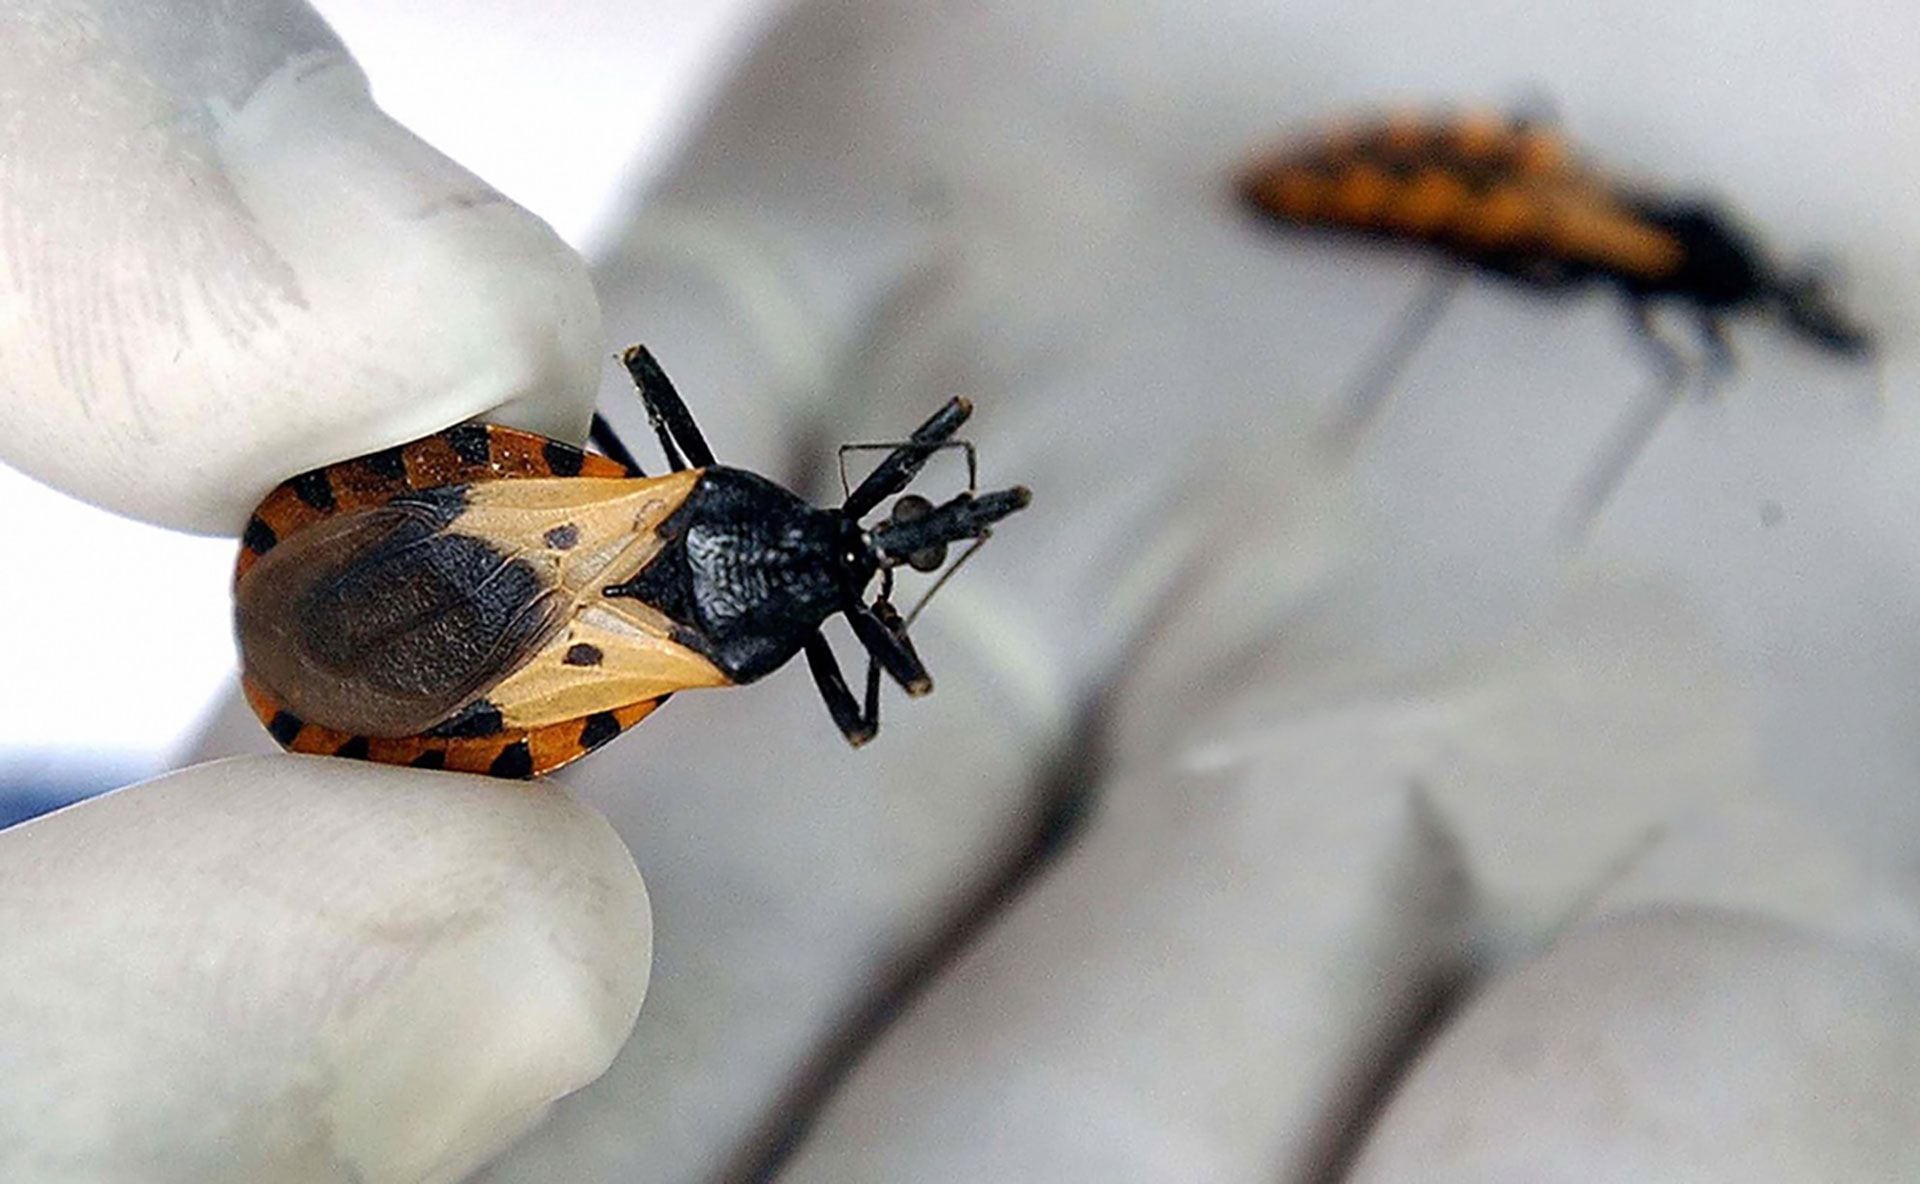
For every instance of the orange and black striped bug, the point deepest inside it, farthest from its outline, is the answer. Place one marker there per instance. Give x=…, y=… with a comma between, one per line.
x=1504, y=196
x=493, y=601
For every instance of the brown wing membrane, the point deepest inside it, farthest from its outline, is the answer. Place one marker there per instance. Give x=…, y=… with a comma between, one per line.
x=382, y=621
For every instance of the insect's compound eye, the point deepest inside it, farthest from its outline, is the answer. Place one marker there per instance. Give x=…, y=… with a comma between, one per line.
x=907, y=508
x=910, y=507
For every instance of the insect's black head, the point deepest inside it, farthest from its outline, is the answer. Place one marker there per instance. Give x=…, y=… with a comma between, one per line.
x=916, y=534
x=1722, y=267
x=1805, y=302
x=749, y=572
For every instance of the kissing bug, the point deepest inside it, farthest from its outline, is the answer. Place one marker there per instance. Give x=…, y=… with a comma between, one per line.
x=1504, y=197
x=492, y=601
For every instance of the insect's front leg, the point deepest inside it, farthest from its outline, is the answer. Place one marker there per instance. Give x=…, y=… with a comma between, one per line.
x=856, y=724
x=1670, y=365
x=667, y=411
x=1719, y=361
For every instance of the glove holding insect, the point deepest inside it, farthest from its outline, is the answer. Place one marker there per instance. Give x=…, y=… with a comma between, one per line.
x=493, y=601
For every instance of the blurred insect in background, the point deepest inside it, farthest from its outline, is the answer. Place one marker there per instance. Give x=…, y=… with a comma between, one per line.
x=1503, y=196
x=493, y=601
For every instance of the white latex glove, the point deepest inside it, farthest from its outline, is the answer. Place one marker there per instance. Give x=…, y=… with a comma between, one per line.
x=220, y=265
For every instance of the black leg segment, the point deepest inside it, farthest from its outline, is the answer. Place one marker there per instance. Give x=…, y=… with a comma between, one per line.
x=612, y=446
x=890, y=649
x=904, y=463
x=672, y=422
x=856, y=725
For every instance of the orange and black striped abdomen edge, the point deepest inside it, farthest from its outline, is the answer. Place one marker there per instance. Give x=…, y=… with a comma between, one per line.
x=463, y=454
x=1503, y=194
x=510, y=752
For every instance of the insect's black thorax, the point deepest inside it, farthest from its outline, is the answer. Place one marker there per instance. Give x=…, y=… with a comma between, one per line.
x=1720, y=265
x=749, y=570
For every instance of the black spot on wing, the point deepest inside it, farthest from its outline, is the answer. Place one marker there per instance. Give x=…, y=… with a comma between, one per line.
x=284, y=726
x=583, y=654
x=563, y=537
x=354, y=749
x=478, y=718
x=259, y=537
x=599, y=728
x=515, y=760
x=470, y=442
x=432, y=758
x=564, y=459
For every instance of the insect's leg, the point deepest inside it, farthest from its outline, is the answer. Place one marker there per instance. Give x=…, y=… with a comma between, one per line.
x=1631, y=434
x=671, y=420
x=1669, y=364
x=901, y=465
x=1720, y=360
x=612, y=446
x=890, y=647
x=1376, y=380
x=856, y=725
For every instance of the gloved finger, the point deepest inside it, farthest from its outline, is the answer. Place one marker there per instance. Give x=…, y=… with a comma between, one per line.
x=1737, y=1005
x=228, y=266
x=290, y=969
x=1257, y=925
x=1666, y=1044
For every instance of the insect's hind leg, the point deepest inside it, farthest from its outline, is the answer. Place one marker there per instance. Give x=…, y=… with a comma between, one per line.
x=1631, y=435
x=1670, y=365
x=668, y=413
x=1368, y=392
x=1719, y=359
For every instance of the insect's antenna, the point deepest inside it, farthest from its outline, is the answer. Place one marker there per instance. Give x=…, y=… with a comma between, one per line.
x=904, y=463
x=940, y=581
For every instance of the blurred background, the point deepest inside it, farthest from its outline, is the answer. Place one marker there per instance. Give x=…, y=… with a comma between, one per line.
x=827, y=216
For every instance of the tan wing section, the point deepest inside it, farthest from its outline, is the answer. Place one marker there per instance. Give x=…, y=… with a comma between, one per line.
x=585, y=531
x=590, y=533
x=599, y=663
